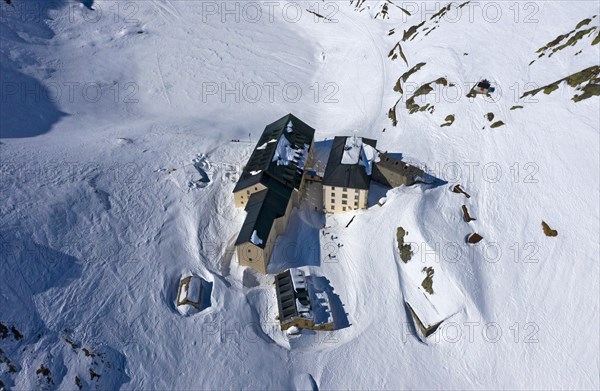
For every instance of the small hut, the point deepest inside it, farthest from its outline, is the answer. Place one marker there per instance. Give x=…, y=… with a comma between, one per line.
x=190, y=292
x=484, y=87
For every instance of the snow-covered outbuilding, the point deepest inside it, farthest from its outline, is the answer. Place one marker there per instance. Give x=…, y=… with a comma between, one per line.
x=299, y=304
x=484, y=87
x=269, y=186
x=189, y=295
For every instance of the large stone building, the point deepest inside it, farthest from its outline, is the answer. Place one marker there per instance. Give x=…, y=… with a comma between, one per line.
x=270, y=185
x=348, y=174
x=353, y=162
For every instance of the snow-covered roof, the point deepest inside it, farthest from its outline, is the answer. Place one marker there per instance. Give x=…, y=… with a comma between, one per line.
x=298, y=279
x=303, y=156
x=352, y=149
x=190, y=290
x=302, y=308
x=276, y=150
x=357, y=152
x=346, y=160
x=368, y=156
x=255, y=239
x=189, y=295
x=264, y=146
x=285, y=154
x=322, y=309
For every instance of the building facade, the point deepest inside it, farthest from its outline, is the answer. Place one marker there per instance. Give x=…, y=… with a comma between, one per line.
x=348, y=174
x=393, y=172
x=270, y=185
x=344, y=199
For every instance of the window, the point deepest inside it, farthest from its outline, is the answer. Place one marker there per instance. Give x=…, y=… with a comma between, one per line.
x=332, y=188
x=344, y=195
x=356, y=196
x=344, y=189
x=344, y=202
x=256, y=188
x=249, y=250
x=248, y=192
x=356, y=204
x=344, y=209
x=332, y=201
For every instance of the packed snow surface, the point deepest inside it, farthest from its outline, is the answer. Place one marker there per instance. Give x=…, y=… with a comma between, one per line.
x=104, y=107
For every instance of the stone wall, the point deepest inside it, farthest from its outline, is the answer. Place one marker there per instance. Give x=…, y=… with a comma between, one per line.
x=393, y=172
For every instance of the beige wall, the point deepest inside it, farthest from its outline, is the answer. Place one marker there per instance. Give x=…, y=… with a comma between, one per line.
x=340, y=200
x=255, y=257
x=393, y=172
x=241, y=197
x=306, y=323
x=252, y=255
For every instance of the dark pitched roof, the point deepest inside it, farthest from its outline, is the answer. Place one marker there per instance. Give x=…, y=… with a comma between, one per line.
x=262, y=209
x=261, y=159
x=287, y=294
x=484, y=84
x=345, y=175
x=286, y=297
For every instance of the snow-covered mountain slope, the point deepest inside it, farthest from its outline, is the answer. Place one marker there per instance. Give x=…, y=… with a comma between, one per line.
x=110, y=110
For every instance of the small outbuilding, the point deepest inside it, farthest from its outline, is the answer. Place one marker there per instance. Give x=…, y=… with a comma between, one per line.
x=300, y=305
x=189, y=295
x=484, y=87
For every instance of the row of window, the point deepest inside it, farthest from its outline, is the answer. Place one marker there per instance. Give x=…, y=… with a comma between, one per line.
x=346, y=196
x=248, y=193
x=344, y=208
x=344, y=189
x=345, y=202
